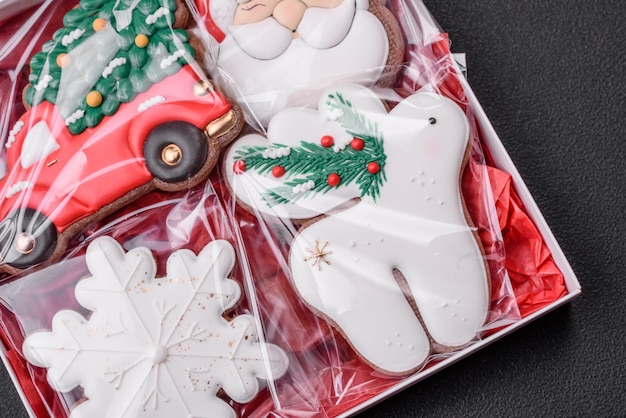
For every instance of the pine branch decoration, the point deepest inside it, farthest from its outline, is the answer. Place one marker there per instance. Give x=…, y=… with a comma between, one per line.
x=319, y=167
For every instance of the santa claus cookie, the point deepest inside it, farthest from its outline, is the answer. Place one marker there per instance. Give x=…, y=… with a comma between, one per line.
x=156, y=347
x=282, y=53
x=394, y=263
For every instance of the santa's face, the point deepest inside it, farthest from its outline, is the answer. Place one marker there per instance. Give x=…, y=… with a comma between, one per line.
x=265, y=28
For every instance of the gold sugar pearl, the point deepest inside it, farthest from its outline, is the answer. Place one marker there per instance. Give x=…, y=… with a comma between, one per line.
x=94, y=98
x=99, y=24
x=141, y=40
x=63, y=60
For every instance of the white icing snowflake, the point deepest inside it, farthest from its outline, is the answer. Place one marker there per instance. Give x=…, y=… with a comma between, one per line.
x=156, y=347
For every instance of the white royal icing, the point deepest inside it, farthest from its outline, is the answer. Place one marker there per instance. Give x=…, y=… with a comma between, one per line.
x=153, y=101
x=116, y=62
x=171, y=59
x=78, y=114
x=156, y=347
x=355, y=50
x=43, y=83
x=249, y=40
x=324, y=28
x=160, y=12
x=72, y=36
x=222, y=12
x=341, y=143
x=273, y=153
x=18, y=187
x=14, y=131
x=342, y=265
x=304, y=187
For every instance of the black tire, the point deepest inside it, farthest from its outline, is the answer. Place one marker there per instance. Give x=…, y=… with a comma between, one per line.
x=188, y=139
x=27, y=238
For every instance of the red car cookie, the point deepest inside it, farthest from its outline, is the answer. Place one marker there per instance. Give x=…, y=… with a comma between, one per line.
x=119, y=108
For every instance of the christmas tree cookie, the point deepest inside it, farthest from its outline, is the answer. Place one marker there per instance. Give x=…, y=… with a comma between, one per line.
x=107, y=52
x=393, y=262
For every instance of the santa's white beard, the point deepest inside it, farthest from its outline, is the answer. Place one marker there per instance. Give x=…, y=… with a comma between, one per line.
x=267, y=71
x=264, y=40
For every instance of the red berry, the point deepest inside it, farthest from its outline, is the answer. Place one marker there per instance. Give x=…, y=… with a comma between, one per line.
x=373, y=167
x=327, y=141
x=357, y=144
x=239, y=167
x=278, y=171
x=333, y=180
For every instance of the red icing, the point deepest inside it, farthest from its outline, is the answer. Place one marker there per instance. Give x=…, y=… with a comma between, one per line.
x=100, y=165
x=327, y=141
x=333, y=179
x=373, y=167
x=357, y=144
x=239, y=167
x=278, y=171
x=209, y=23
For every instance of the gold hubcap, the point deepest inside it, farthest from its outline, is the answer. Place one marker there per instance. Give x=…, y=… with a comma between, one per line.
x=171, y=154
x=25, y=243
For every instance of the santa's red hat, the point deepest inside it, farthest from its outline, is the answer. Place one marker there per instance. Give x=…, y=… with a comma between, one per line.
x=218, y=15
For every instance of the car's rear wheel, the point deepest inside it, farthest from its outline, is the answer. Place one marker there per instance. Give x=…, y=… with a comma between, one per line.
x=27, y=238
x=175, y=151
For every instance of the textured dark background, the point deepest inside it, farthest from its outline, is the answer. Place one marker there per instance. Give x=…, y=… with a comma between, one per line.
x=550, y=75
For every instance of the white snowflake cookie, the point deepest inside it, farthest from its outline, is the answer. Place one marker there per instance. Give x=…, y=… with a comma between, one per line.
x=156, y=347
x=394, y=264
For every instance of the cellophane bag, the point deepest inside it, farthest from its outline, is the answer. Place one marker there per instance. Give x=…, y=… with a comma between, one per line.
x=161, y=257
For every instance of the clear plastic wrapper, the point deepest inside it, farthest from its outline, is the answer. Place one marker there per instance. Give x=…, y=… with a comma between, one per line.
x=355, y=234
x=11, y=8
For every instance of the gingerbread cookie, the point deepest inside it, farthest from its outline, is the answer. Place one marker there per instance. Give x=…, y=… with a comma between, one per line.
x=156, y=347
x=282, y=53
x=394, y=263
x=119, y=107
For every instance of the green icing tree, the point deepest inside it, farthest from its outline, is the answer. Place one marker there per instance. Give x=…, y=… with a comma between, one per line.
x=319, y=167
x=104, y=56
